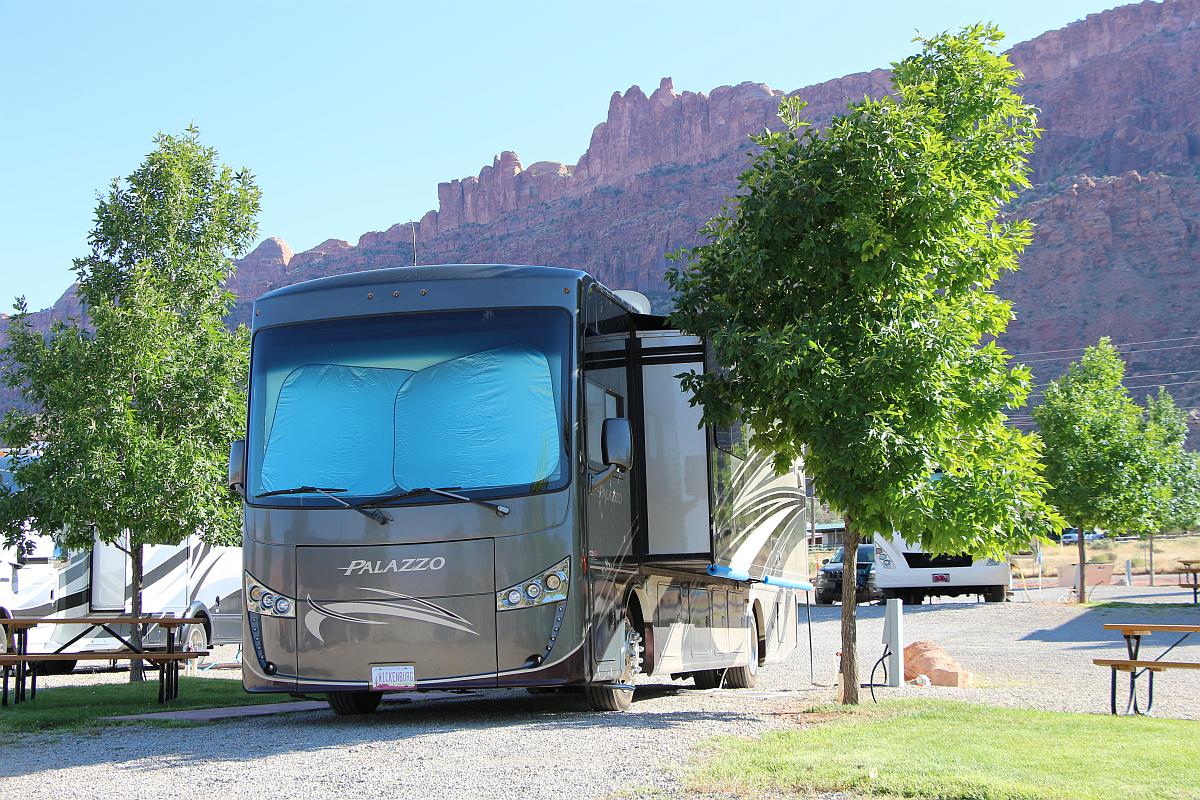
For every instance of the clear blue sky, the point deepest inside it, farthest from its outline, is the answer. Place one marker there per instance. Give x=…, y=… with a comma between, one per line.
x=351, y=113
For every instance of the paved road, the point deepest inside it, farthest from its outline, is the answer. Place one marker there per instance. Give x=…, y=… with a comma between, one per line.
x=487, y=744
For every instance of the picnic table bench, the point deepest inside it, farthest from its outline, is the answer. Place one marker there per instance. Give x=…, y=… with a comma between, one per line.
x=1136, y=667
x=23, y=664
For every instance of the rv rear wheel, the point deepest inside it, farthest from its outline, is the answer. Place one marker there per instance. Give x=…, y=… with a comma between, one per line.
x=352, y=703
x=995, y=594
x=609, y=697
x=57, y=667
x=745, y=677
x=708, y=678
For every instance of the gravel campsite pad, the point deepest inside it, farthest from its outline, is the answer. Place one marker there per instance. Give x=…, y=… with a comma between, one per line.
x=491, y=743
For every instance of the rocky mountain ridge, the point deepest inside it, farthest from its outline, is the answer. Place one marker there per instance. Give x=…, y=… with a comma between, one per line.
x=1116, y=201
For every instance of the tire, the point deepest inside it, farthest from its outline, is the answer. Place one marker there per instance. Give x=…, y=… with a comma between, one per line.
x=745, y=677
x=5, y=645
x=57, y=667
x=707, y=678
x=603, y=697
x=995, y=594
x=914, y=599
x=824, y=599
x=346, y=704
x=193, y=639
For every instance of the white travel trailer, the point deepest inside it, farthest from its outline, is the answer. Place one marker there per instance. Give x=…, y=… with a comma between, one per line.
x=907, y=572
x=191, y=578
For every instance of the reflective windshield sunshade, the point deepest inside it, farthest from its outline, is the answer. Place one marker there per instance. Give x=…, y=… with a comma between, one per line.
x=469, y=402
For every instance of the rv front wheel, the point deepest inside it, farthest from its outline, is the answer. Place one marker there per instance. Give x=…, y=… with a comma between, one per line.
x=353, y=703
x=193, y=639
x=613, y=697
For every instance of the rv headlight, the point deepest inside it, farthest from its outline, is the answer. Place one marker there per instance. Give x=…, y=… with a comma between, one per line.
x=265, y=601
x=550, y=586
x=883, y=558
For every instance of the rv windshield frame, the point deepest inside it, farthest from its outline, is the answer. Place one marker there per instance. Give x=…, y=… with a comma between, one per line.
x=560, y=328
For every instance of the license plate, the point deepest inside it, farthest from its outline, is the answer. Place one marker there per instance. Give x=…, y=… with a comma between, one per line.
x=941, y=577
x=393, y=676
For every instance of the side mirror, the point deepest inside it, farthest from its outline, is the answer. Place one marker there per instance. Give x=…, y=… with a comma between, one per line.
x=616, y=443
x=616, y=449
x=824, y=561
x=237, y=466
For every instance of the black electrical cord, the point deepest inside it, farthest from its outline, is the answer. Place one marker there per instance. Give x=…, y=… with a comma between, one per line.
x=882, y=662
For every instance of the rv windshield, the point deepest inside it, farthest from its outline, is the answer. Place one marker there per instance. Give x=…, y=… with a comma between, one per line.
x=465, y=400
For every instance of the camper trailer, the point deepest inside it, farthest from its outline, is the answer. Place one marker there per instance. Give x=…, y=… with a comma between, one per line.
x=490, y=476
x=191, y=578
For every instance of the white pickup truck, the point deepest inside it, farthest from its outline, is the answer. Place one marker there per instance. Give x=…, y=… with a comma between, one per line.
x=907, y=572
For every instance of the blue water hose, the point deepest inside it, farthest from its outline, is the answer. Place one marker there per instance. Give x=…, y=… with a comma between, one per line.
x=718, y=571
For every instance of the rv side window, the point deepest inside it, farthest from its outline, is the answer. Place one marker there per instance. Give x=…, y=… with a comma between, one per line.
x=602, y=404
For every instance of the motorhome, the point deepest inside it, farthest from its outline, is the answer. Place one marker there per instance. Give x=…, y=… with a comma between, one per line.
x=490, y=476
x=191, y=578
x=906, y=571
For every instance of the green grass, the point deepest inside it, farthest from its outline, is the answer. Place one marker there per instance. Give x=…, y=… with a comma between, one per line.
x=77, y=707
x=940, y=750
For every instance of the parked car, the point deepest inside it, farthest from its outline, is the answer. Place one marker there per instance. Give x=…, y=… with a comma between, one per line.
x=1071, y=536
x=828, y=582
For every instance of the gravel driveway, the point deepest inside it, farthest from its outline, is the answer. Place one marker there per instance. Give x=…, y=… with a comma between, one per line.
x=509, y=743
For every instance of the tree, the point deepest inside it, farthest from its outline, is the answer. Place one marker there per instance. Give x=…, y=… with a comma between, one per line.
x=846, y=292
x=1105, y=461
x=135, y=405
x=1179, y=468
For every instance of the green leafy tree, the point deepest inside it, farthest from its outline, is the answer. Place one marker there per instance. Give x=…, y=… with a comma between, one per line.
x=847, y=292
x=1105, y=460
x=135, y=405
x=1179, y=468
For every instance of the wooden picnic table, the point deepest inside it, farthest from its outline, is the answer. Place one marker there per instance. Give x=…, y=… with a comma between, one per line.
x=21, y=660
x=1136, y=667
x=1191, y=566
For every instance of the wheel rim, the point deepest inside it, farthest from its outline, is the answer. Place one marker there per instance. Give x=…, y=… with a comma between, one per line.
x=195, y=641
x=633, y=653
x=754, y=648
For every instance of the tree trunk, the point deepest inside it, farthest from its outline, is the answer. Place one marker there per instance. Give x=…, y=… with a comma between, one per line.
x=135, y=585
x=1151, y=559
x=849, y=664
x=1081, y=578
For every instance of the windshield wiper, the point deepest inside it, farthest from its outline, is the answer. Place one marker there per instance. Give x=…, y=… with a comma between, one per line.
x=501, y=511
x=371, y=513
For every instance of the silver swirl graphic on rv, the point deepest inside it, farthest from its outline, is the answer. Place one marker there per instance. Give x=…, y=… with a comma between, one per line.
x=402, y=606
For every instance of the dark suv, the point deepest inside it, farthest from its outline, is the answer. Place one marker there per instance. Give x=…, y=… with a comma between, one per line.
x=829, y=577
